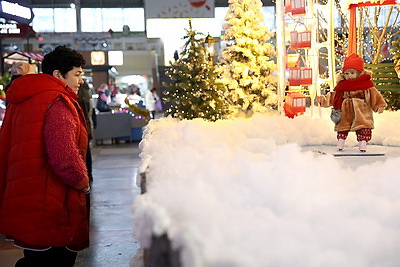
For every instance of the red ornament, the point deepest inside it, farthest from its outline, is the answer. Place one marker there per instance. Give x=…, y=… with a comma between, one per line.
x=197, y=3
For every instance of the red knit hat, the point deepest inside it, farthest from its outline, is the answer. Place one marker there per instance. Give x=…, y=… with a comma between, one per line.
x=353, y=62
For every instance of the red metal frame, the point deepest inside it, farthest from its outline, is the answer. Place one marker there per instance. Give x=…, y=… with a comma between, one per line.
x=352, y=48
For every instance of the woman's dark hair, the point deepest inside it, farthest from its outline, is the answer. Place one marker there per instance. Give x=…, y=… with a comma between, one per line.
x=63, y=59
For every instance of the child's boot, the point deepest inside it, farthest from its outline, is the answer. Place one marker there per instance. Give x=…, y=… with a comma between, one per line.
x=340, y=144
x=362, y=146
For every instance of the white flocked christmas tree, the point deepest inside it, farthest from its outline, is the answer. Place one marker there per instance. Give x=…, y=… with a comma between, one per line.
x=246, y=64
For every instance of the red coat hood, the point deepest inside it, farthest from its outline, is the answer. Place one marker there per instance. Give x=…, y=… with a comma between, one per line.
x=29, y=85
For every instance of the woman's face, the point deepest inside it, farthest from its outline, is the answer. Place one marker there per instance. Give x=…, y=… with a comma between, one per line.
x=73, y=78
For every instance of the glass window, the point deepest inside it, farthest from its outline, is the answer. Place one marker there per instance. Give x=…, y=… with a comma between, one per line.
x=161, y=27
x=112, y=19
x=43, y=21
x=54, y=20
x=103, y=19
x=65, y=20
x=91, y=20
x=134, y=18
x=269, y=17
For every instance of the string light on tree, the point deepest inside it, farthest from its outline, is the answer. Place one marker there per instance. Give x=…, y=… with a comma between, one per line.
x=194, y=91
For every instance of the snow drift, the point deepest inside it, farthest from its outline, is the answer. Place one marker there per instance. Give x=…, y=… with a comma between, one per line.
x=248, y=193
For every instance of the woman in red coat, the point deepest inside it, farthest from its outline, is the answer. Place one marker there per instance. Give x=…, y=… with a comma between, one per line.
x=44, y=183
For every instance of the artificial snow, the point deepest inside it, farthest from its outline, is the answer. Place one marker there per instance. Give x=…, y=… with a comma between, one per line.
x=254, y=192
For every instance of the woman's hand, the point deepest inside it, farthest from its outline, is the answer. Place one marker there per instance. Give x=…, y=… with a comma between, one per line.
x=86, y=190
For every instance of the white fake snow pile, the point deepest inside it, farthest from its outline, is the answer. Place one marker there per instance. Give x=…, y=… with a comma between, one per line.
x=243, y=193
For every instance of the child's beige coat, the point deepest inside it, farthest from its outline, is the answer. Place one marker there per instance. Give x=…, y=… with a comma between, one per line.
x=357, y=107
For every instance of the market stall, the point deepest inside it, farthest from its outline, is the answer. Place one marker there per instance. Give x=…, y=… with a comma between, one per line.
x=34, y=60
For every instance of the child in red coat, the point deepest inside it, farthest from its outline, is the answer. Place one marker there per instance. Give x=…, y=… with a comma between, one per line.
x=357, y=98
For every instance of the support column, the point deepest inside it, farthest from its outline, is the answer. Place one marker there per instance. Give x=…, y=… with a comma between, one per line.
x=352, y=39
x=281, y=51
x=78, y=15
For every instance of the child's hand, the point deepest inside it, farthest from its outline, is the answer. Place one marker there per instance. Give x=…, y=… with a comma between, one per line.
x=318, y=99
x=380, y=110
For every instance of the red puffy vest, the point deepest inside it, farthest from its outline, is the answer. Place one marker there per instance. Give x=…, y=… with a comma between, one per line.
x=36, y=208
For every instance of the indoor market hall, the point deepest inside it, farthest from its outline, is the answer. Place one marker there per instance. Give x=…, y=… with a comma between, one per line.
x=199, y=133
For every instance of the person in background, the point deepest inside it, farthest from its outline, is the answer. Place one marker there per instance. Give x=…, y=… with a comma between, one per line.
x=18, y=69
x=135, y=97
x=84, y=100
x=103, y=99
x=113, y=91
x=151, y=98
x=44, y=183
x=134, y=91
x=357, y=98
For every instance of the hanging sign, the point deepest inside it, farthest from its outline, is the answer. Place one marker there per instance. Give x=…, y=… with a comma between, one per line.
x=9, y=28
x=14, y=30
x=155, y=9
x=16, y=12
x=97, y=58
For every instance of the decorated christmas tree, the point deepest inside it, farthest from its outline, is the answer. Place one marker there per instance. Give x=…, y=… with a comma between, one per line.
x=247, y=64
x=194, y=91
